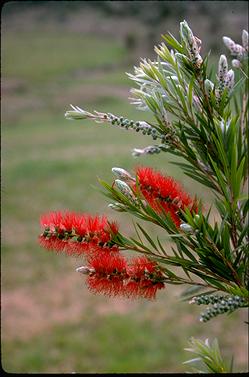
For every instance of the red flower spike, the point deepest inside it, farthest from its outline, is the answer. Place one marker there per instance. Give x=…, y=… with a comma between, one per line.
x=139, y=265
x=109, y=276
x=51, y=220
x=106, y=264
x=76, y=233
x=163, y=192
x=110, y=287
x=144, y=279
x=68, y=221
x=52, y=243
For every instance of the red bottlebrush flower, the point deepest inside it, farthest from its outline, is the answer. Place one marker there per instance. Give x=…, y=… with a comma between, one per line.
x=51, y=220
x=52, y=243
x=145, y=279
x=109, y=274
x=140, y=265
x=163, y=192
x=112, y=275
x=77, y=233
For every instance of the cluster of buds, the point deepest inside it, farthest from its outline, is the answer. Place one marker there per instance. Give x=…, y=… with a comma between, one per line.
x=225, y=77
x=139, y=126
x=239, y=52
x=113, y=275
x=77, y=234
x=207, y=299
x=124, y=184
x=220, y=304
x=192, y=44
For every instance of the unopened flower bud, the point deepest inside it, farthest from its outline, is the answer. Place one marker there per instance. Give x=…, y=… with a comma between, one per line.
x=222, y=68
x=245, y=39
x=117, y=207
x=186, y=228
x=124, y=188
x=122, y=174
x=197, y=60
x=77, y=113
x=229, y=43
x=235, y=49
x=192, y=43
x=186, y=32
x=137, y=152
x=151, y=149
x=85, y=270
x=173, y=77
x=224, y=126
x=209, y=86
x=236, y=63
x=180, y=57
x=229, y=79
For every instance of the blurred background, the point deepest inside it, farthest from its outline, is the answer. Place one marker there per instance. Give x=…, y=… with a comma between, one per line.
x=57, y=53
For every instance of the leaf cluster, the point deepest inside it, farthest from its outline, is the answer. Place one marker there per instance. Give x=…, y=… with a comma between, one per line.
x=208, y=358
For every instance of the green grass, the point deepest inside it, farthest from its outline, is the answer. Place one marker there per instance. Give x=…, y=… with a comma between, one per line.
x=49, y=163
x=114, y=343
x=46, y=56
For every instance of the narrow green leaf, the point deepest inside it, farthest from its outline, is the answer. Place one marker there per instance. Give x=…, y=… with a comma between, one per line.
x=149, y=239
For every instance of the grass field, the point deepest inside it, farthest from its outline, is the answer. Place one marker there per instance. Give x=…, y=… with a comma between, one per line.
x=50, y=322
